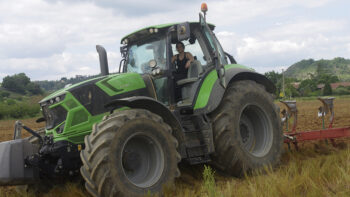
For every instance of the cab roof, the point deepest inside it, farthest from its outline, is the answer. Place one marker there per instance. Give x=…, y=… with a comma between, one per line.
x=161, y=27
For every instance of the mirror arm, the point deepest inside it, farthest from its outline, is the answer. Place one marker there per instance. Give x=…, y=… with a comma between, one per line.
x=121, y=64
x=230, y=57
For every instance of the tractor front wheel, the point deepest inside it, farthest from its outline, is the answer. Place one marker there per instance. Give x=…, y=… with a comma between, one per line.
x=130, y=153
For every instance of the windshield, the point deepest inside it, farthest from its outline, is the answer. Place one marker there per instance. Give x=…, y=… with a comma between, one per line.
x=140, y=55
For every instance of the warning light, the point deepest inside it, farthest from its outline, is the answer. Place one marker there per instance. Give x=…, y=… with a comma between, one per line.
x=204, y=7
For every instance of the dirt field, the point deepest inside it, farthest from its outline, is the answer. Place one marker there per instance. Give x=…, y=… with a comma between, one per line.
x=322, y=171
x=307, y=114
x=7, y=127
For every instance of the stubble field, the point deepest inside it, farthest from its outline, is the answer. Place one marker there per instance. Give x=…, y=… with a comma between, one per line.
x=317, y=169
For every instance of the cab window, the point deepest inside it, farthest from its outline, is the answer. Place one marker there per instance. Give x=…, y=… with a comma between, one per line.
x=196, y=46
x=140, y=54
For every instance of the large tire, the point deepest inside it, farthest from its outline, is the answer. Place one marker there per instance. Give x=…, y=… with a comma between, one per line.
x=130, y=153
x=247, y=129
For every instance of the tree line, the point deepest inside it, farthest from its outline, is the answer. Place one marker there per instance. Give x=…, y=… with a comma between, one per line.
x=317, y=84
x=21, y=84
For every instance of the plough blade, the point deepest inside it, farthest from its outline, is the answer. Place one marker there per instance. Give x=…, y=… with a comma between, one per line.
x=330, y=133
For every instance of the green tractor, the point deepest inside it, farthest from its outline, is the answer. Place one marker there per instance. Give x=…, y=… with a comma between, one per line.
x=125, y=133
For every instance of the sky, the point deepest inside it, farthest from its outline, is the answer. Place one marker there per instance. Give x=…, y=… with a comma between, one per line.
x=50, y=39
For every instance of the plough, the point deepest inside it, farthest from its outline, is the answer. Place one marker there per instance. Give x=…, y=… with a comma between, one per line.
x=293, y=136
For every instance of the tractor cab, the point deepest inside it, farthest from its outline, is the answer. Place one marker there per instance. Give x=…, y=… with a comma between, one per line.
x=149, y=52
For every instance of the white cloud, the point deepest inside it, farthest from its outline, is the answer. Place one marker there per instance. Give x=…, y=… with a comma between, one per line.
x=288, y=43
x=49, y=39
x=304, y=28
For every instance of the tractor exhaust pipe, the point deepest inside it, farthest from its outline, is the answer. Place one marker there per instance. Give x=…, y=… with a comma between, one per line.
x=103, y=60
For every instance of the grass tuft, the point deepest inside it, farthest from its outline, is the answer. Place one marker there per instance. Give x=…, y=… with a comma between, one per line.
x=208, y=185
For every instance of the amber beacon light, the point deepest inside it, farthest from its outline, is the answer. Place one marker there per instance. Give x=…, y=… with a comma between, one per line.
x=204, y=7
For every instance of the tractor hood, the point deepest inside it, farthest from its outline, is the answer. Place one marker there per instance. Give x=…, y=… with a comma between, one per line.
x=66, y=89
x=110, y=85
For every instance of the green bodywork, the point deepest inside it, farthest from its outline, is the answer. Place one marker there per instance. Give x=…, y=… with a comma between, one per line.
x=79, y=121
x=65, y=90
x=208, y=84
x=122, y=83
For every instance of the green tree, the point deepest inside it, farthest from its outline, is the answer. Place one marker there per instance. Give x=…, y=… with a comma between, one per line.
x=341, y=90
x=273, y=76
x=307, y=86
x=276, y=79
x=4, y=94
x=291, y=91
x=327, y=90
x=34, y=88
x=326, y=78
x=16, y=83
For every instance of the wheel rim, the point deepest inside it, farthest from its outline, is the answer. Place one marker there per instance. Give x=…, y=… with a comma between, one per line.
x=142, y=160
x=255, y=131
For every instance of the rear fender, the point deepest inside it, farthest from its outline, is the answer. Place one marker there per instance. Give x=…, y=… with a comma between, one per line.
x=211, y=92
x=152, y=105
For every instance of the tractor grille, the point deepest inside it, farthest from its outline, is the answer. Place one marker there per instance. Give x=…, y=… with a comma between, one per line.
x=54, y=116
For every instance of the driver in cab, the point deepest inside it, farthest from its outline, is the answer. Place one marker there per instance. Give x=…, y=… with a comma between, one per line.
x=182, y=61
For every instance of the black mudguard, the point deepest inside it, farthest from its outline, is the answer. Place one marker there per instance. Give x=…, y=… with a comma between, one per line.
x=13, y=170
x=154, y=106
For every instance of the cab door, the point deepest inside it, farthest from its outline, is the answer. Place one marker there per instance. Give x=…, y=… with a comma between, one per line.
x=218, y=54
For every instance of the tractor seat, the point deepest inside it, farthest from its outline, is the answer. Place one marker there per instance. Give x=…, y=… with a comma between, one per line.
x=189, y=84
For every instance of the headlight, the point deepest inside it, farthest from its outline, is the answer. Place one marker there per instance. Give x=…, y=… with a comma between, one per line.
x=60, y=129
x=57, y=99
x=54, y=100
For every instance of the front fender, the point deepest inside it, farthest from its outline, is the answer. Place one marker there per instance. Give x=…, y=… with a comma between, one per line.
x=154, y=106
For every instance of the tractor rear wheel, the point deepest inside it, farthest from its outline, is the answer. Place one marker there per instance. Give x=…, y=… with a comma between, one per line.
x=130, y=153
x=247, y=130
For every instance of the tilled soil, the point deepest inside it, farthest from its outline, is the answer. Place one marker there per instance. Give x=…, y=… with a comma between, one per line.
x=308, y=110
x=7, y=128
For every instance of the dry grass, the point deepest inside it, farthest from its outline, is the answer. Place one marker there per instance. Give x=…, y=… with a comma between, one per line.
x=305, y=173
x=316, y=170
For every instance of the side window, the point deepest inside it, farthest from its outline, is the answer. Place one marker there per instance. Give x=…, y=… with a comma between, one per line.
x=213, y=42
x=195, y=49
x=209, y=38
x=221, y=52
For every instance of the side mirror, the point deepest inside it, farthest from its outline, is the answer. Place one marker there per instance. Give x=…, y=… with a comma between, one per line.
x=183, y=31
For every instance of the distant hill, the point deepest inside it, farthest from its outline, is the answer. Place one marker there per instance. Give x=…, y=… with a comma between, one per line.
x=337, y=66
x=51, y=86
